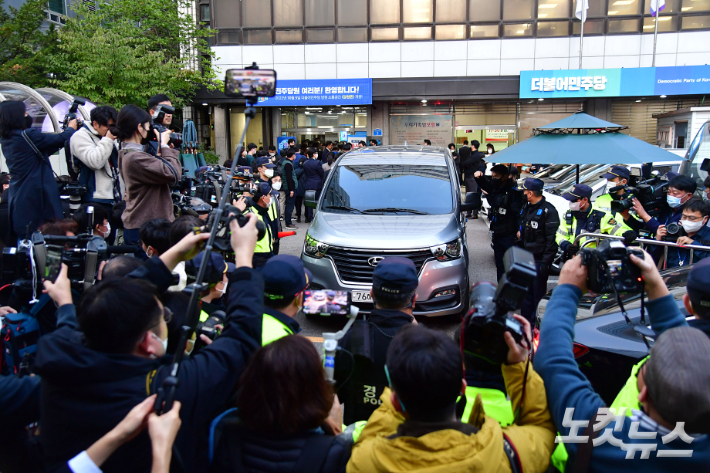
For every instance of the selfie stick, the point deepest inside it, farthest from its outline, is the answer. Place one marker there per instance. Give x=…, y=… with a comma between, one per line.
x=166, y=393
x=330, y=345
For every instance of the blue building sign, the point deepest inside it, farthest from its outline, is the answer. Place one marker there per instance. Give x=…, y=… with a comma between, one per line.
x=626, y=82
x=299, y=93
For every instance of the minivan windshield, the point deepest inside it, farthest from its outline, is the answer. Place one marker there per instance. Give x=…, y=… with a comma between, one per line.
x=397, y=189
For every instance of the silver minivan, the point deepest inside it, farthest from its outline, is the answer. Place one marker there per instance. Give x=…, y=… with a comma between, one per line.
x=392, y=201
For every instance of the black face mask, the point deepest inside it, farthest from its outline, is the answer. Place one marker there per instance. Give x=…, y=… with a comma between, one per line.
x=497, y=181
x=28, y=122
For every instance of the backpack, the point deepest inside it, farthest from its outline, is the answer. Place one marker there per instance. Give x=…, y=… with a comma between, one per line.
x=18, y=337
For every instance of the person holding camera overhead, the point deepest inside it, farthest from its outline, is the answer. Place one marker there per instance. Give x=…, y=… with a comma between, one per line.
x=33, y=194
x=147, y=177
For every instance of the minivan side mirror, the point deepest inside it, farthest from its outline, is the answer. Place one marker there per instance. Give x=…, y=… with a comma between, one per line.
x=310, y=199
x=472, y=202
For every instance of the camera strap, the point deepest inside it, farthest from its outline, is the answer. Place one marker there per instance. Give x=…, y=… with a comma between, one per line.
x=38, y=152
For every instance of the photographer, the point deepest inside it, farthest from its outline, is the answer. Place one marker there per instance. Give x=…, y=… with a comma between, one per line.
x=506, y=202
x=617, y=176
x=262, y=208
x=416, y=427
x=693, y=220
x=676, y=371
x=97, y=366
x=94, y=148
x=147, y=177
x=101, y=226
x=33, y=194
x=680, y=191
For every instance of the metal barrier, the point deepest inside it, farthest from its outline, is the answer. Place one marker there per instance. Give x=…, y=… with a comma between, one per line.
x=596, y=237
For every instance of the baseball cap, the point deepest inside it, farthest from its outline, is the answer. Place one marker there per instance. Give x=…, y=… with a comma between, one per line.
x=216, y=266
x=677, y=378
x=580, y=191
x=532, y=184
x=262, y=188
x=617, y=171
x=284, y=276
x=395, y=275
x=265, y=162
x=699, y=279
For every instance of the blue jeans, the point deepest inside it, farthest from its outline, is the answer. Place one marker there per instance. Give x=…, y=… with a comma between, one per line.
x=290, y=204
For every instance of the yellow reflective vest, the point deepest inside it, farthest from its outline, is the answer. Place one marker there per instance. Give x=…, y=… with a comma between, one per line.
x=266, y=244
x=272, y=329
x=628, y=397
x=597, y=222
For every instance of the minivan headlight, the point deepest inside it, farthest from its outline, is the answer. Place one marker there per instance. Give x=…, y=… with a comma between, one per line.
x=448, y=251
x=314, y=248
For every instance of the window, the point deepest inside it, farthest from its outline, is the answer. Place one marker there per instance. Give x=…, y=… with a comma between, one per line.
x=623, y=26
x=225, y=14
x=517, y=31
x=257, y=36
x=695, y=22
x=518, y=9
x=672, y=6
x=256, y=13
x=205, y=12
x=665, y=24
x=413, y=34
x=385, y=34
x=352, y=35
x=289, y=37
x=450, y=11
x=57, y=6
x=484, y=31
x=288, y=12
x=484, y=10
x=384, y=11
x=692, y=6
x=229, y=37
x=352, y=12
x=623, y=7
x=418, y=11
x=552, y=28
x=320, y=12
x=320, y=36
x=450, y=32
x=590, y=27
x=549, y=9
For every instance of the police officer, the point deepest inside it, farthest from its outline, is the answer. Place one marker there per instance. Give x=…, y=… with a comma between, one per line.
x=617, y=176
x=582, y=218
x=285, y=279
x=267, y=173
x=505, y=201
x=359, y=386
x=262, y=208
x=538, y=224
x=217, y=277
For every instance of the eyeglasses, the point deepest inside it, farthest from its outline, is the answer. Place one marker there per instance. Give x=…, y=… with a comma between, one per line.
x=167, y=314
x=692, y=218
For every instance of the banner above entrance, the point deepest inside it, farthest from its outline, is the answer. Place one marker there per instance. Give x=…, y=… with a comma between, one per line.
x=631, y=82
x=300, y=93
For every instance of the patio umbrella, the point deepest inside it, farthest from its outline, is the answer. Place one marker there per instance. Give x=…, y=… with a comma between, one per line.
x=582, y=139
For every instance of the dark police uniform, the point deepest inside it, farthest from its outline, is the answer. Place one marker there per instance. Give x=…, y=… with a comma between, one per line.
x=360, y=385
x=506, y=201
x=538, y=226
x=284, y=277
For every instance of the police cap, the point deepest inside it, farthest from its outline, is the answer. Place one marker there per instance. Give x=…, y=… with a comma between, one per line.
x=699, y=280
x=261, y=162
x=580, y=191
x=617, y=171
x=216, y=266
x=263, y=188
x=284, y=277
x=395, y=275
x=532, y=184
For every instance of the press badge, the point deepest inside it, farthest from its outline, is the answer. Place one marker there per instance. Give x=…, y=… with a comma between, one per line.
x=502, y=211
x=533, y=224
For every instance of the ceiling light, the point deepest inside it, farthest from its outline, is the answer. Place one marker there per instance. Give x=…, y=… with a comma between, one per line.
x=648, y=26
x=542, y=15
x=424, y=101
x=663, y=96
x=624, y=2
x=520, y=32
x=664, y=18
x=540, y=99
x=613, y=12
x=204, y=104
x=639, y=100
x=686, y=8
x=548, y=5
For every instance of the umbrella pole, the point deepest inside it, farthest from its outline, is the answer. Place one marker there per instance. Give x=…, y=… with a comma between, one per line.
x=578, y=174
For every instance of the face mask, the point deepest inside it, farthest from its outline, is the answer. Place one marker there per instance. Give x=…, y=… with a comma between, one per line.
x=692, y=227
x=315, y=156
x=162, y=342
x=705, y=197
x=272, y=154
x=224, y=289
x=490, y=151
x=269, y=173
x=28, y=121
x=108, y=231
x=575, y=206
x=497, y=181
x=276, y=186
x=673, y=202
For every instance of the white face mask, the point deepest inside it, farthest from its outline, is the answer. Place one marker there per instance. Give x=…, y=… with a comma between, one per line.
x=108, y=231
x=162, y=342
x=575, y=206
x=276, y=186
x=224, y=288
x=272, y=154
x=692, y=227
x=315, y=156
x=490, y=151
x=269, y=173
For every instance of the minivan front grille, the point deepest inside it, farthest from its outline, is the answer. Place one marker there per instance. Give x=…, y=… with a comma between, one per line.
x=353, y=265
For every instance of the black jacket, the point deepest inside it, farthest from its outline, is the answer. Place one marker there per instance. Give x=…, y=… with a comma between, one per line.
x=19, y=403
x=240, y=450
x=471, y=162
x=359, y=387
x=539, y=223
x=86, y=393
x=313, y=170
x=506, y=202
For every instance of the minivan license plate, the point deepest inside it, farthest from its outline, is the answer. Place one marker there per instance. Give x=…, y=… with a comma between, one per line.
x=362, y=296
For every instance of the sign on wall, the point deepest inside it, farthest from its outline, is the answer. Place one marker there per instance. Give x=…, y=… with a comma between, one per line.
x=626, y=82
x=497, y=135
x=414, y=129
x=300, y=93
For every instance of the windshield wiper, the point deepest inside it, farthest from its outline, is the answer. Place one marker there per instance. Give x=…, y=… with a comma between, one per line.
x=342, y=207
x=396, y=210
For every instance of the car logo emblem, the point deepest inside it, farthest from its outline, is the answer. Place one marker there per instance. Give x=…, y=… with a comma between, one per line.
x=374, y=260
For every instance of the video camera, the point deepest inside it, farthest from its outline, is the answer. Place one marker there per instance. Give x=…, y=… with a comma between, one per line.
x=208, y=184
x=610, y=269
x=222, y=237
x=71, y=115
x=157, y=122
x=489, y=317
x=651, y=193
x=74, y=190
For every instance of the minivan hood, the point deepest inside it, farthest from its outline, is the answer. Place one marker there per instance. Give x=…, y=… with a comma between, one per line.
x=383, y=231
